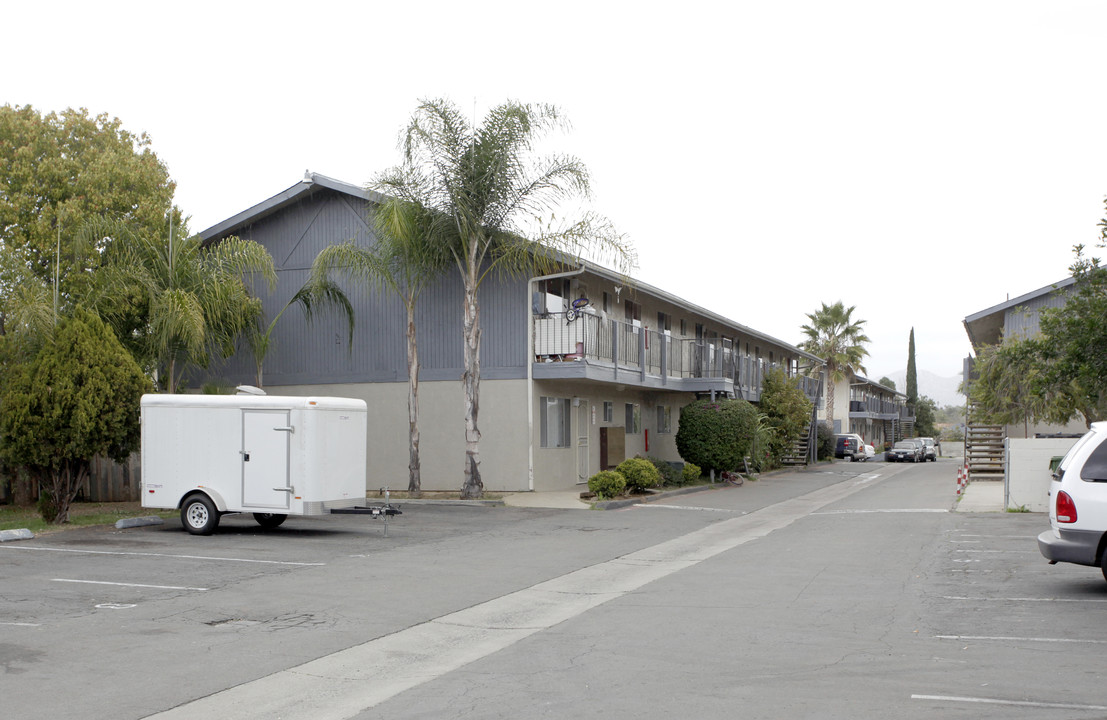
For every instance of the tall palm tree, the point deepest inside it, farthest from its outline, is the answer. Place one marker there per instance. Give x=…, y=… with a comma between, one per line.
x=495, y=192
x=174, y=302
x=833, y=334
x=409, y=254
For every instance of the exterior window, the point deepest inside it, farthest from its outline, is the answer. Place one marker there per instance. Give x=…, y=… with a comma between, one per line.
x=555, y=422
x=683, y=327
x=608, y=412
x=632, y=311
x=634, y=419
x=664, y=419
x=664, y=322
x=606, y=303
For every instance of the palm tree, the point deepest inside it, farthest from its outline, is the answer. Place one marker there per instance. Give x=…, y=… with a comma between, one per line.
x=176, y=303
x=834, y=335
x=409, y=254
x=494, y=192
x=316, y=292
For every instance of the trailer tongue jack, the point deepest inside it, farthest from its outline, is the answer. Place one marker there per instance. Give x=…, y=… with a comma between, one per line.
x=378, y=510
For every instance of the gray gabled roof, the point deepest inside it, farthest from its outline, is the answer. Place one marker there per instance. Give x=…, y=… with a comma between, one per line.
x=986, y=327
x=311, y=183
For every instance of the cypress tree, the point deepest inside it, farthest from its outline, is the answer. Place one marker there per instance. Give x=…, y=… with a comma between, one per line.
x=912, y=375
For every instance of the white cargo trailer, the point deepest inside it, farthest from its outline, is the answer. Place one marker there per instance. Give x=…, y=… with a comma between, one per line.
x=268, y=455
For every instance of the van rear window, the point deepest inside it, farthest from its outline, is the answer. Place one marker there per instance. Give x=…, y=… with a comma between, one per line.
x=1095, y=467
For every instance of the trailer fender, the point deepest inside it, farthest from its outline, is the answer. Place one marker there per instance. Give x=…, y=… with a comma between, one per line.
x=220, y=503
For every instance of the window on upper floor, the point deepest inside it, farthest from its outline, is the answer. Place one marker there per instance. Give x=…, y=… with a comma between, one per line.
x=608, y=412
x=632, y=312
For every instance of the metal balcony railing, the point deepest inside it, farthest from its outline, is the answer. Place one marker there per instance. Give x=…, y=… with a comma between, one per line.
x=590, y=338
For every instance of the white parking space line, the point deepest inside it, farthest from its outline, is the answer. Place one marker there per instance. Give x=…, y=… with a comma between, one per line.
x=139, y=585
x=345, y=683
x=886, y=510
x=643, y=506
x=998, y=552
x=1024, y=599
x=14, y=624
x=1015, y=703
x=165, y=555
x=1020, y=639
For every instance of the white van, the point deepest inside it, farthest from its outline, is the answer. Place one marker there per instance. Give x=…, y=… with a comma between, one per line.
x=1078, y=504
x=264, y=454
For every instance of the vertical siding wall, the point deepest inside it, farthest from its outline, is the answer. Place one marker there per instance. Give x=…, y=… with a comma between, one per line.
x=320, y=351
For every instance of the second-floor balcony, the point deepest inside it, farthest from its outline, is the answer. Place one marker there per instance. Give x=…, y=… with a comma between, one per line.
x=877, y=409
x=591, y=347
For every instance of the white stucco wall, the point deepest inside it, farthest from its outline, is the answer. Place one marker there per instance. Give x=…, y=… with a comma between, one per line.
x=502, y=422
x=1027, y=477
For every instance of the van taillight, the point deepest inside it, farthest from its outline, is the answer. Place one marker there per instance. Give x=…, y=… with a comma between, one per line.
x=1066, y=508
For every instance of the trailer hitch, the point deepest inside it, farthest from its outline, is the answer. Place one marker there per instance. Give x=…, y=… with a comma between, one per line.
x=378, y=510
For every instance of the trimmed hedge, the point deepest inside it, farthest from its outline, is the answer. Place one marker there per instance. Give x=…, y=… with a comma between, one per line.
x=640, y=473
x=607, y=484
x=716, y=434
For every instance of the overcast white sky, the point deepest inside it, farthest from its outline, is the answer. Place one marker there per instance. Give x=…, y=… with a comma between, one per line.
x=919, y=160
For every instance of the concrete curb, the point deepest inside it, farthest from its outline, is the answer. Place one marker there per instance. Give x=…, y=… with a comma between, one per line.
x=138, y=522
x=620, y=504
x=20, y=534
x=440, y=501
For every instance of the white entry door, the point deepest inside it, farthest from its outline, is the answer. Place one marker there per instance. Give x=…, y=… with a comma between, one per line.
x=583, y=427
x=265, y=446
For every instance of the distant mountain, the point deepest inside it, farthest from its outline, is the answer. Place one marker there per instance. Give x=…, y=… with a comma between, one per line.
x=942, y=390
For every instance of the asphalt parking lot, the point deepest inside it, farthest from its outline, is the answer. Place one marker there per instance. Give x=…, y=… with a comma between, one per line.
x=146, y=619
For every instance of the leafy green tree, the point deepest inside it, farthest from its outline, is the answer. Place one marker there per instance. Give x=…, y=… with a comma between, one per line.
x=410, y=254
x=717, y=434
x=926, y=410
x=888, y=382
x=787, y=410
x=57, y=172
x=912, y=374
x=499, y=198
x=835, y=336
x=175, y=302
x=1007, y=389
x=1074, y=344
x=77, y=399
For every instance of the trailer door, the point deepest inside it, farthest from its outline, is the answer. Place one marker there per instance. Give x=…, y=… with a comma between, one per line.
x=265, y=461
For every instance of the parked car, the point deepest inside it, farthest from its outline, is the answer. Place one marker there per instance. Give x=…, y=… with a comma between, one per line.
x=921, y=447
x=870, y=451
x=930, y=449
x=903, y=451
x=1078, y=504
x=849, y=446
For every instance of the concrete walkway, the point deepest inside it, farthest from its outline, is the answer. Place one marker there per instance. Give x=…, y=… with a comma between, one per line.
x=982, y=496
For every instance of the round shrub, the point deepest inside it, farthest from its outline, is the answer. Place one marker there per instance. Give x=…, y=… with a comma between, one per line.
x=640, y=474
x=691, y=473
x=716, y=434
x=670, y=475
x=607, y=484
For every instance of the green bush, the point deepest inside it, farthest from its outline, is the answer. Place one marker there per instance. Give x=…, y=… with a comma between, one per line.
x=825, y=446
x=607, y=484
x=716, y=434
x=670, y=474
x=787, y=411
x=691, y=473
x=640, y=473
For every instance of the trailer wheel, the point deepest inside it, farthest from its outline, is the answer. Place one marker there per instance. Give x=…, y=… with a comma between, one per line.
x=269, y=520
x=199, y=516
